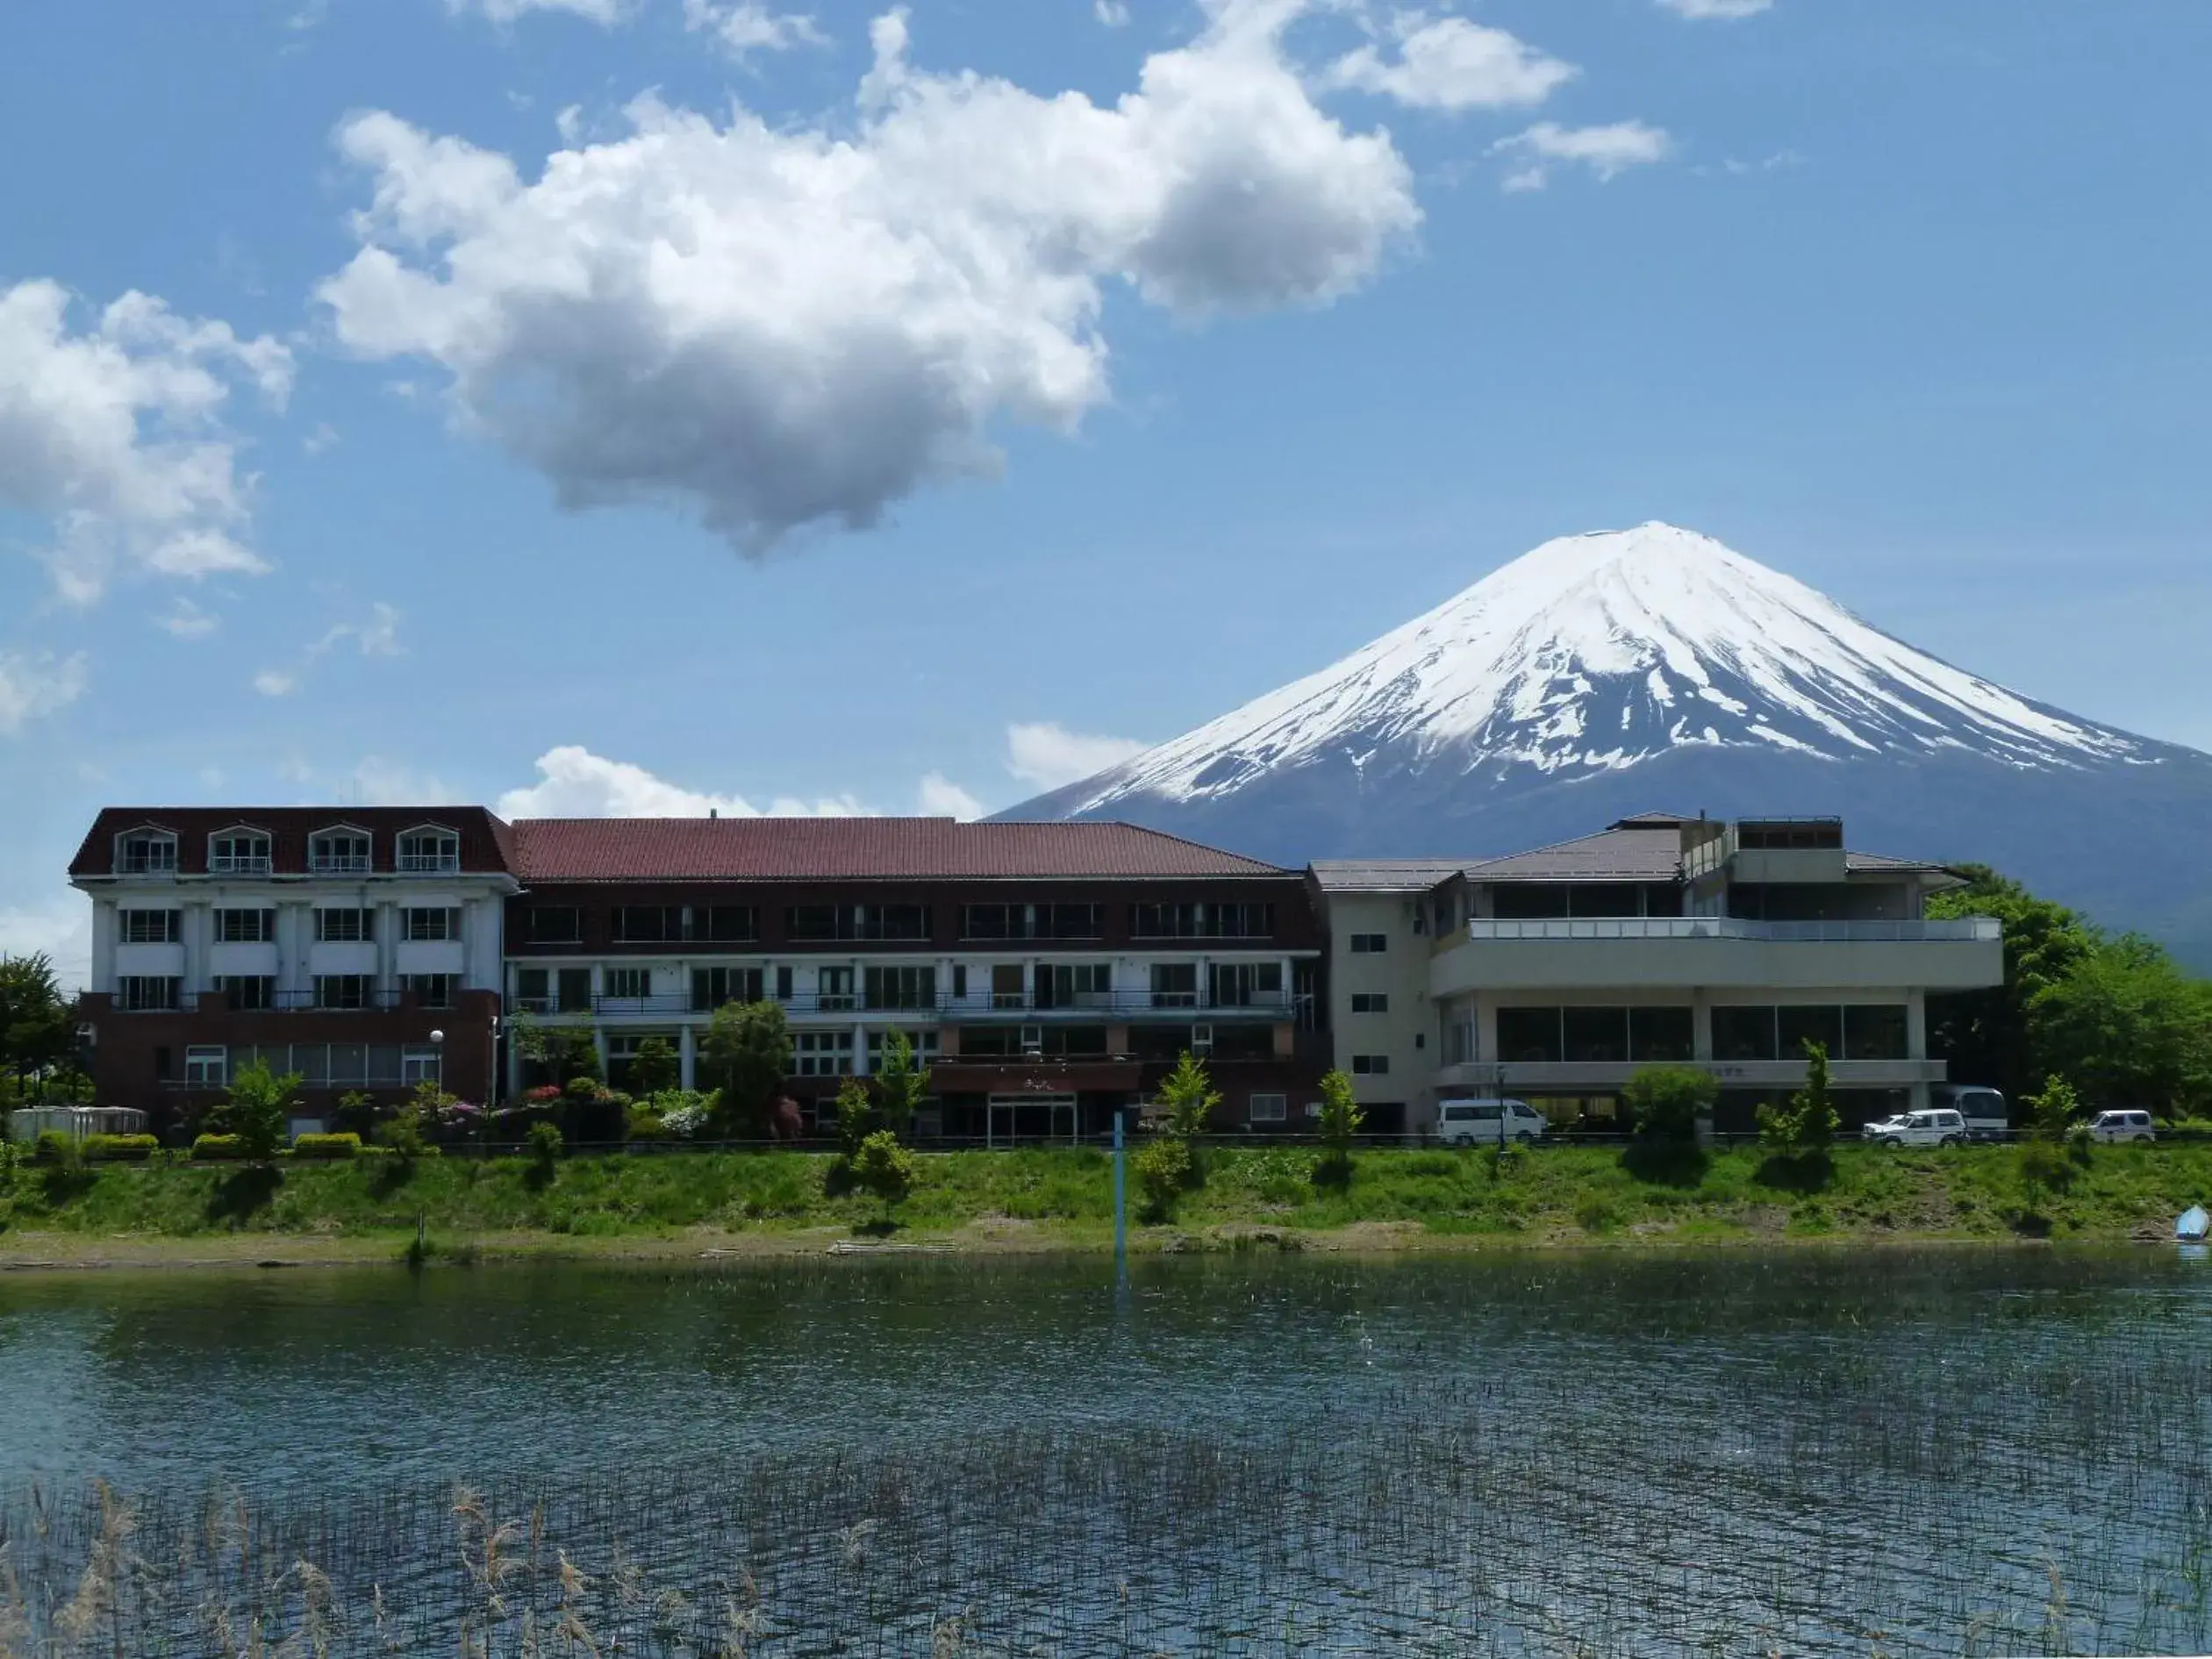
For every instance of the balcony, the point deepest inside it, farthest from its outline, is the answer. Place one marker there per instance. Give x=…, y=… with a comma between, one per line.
x=1609, y=1077
x=986, y=1005
x=1695, y=951
x=430, y=863
x=240, y=864
x=338, y=864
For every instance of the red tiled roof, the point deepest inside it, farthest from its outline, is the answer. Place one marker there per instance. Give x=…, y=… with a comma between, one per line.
x=636, y=849
x=486, y=842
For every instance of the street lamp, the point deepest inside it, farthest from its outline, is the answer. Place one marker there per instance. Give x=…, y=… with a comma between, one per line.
x=438, y=1042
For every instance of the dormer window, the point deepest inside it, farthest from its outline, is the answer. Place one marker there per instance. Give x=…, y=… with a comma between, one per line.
x=238, y=852
x=338, y=852
x=147, y=852
x=428, y=852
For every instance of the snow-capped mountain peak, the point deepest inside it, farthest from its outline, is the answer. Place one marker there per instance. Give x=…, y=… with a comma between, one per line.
x=1592, y=652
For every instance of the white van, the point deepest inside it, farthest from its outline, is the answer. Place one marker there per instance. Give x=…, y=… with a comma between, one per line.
x=2122, y=1126
x=1943, y=1127
x=1480, y=1122
x=1983, y=1108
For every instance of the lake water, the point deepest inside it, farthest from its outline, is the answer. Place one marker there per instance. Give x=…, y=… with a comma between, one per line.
x=1803, y=1451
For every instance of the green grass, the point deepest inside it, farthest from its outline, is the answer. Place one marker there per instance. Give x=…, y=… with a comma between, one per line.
x=1566, y=1192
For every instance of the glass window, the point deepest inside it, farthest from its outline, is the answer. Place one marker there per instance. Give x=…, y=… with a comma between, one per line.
x=572, y=988
x=823, y=1054
x=926, y=1044
x=434, y=922
x=891, y=921
x=712, y=987
x=1074, y=984
x=420, y=1063
x=147, y=993
x=1202, y=921
x=1270, y=1108
x=246, y=992
x=1874, y=1031
x=1528, y=1034
x=1371, y=1065
x=1369, y=944
x=1246, y=985
x=150, y=852
x=553, y=925
x=427, y=850
x=648, y=923
x=1743, y=1032
x=348, y=925
x=902, y=987
x=342, y=991
x=151, y=926
x=431, y=991
x=1661, y=1033
x=531, y=989
x=727, y=922
x=1796, y=1024
x=629, y=984
x=1175, y=984
x=207, y=1066
x=337, y=853
x=816, y=922
x=245, y=926
x=1371, y=1002
x=241, y=853
x=1595, y=1035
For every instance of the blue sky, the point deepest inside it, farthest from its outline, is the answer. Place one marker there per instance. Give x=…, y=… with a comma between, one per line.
x=868, y=409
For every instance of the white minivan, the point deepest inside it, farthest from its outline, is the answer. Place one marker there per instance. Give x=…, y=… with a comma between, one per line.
x=2122, y=1126
x=1478, y=1122
x=1943, y=1127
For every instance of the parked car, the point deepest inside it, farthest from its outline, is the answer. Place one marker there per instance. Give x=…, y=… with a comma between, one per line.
x=1943, y=1126
x=2122, y=1126
x=1988, y=1117
x=1478, y=1122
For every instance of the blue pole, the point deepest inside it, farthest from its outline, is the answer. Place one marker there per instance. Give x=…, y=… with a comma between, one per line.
x=1120, y=1206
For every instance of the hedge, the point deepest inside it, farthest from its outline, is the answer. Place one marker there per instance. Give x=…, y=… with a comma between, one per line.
x=326, y=1146
x=120, y=1148
x=218, y=1146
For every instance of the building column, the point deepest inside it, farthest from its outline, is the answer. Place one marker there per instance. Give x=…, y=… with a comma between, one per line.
x=1916, y=1043
x=387, y=947
x=599, y=1042
x=687, y=1057
x=1701, y=1027
x=860, y=1051
x=295, y=936
x=105, y=927
x=195, y=927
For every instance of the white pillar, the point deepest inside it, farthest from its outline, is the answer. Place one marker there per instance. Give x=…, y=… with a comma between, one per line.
x=1701, y=1027
x=387, y=926
x=105, y=925
x=195, y=927
x=687, y=1055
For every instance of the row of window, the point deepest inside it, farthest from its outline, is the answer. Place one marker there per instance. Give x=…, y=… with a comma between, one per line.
x=246, y=993
x=1539, y=1035
x=829, y=923
x=333, y=924
x=339, y=851
x=1052, y=985
x=320, y=1065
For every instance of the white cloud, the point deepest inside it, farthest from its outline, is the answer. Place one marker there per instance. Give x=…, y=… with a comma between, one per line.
x=1716, y=8
x=574, y=783
x=60, y=929
x=775, y=326
x=1607, y=151
x=1048, y=756
x=1112, y=13
x=112, y=435
x=35, y=685
x=325, y=437
x=606, y=11
x=187, y=622
x=377, y=782
x=1448, y=63
x=377, y=637
x=746, y=27
x=941, y=797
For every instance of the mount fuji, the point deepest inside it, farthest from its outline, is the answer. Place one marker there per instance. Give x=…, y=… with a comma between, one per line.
x=1654, y=667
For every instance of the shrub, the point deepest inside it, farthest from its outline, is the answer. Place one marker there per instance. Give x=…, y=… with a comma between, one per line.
x=401, y=1135
x=654, y=1067
x=346, y=1144
x=885, y=1169
x=644, y=1123
x=54, y=1146
x=1666, y=1101
x=254, y=1114
x=356, y=1113
x=1807, y=1125
x=545, y=1146
x=1507, y=1160
x=120, y=1148
x=1163, y=1167
x=219, y=1146
x=545, y=1094
x=684, y=1114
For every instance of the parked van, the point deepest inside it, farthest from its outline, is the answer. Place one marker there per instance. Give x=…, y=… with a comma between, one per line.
x=1940, y=1128
x=2122, y=1126
x=1480, y=1122
x=1988, y=1117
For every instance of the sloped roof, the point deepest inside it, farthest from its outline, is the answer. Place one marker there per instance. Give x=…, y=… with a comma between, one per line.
x=1614, y=854
x=1384, y=874
x=642, y=849
x=486, y=843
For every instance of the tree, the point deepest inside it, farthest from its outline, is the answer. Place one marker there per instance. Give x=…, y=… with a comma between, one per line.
x=854, y=1118
x=38, y=1028
x=1189, y=1096
x=1807, y=1125
x=746, y=1053
x=1665, y=1102
x=2127, y=1027
x=653, y=1068
x=2050, y=1115
x=1986, y=1035
x=901, y=1086
x=255, y=1108
x=1342, y=1117
x=885, y=1169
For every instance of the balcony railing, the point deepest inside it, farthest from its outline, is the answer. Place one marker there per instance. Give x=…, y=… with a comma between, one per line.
x=1963, y=928
x=429, y=863
x=338, y=864
x=986, y=1005
x=238, y=864
x=372, y=1001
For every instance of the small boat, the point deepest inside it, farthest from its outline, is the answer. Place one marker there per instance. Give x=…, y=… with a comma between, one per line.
x=2191, y=1226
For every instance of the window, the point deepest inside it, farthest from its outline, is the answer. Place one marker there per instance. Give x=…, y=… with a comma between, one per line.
x=1371, y=1002
x=207, y=1066
x=1596, y=1036
x=1796, y=1025
x=1175, y=984
x=1660, y=1033
x=1743, y=1034
x=243, y=993
x=891, y=921
x=1007, y=989
x=1459, y=1039
x=1268, y=1108
x=148, y=993
x=427, y=851
x=420, y=1062
x=782, y=984
x=833, y=988
x=147, y=853
x=629, y=984
x=1247, y=985
x=902, y=987
x=1033, y=921
x=1371, y=1065
x=245, y=926
x=151, y=926
x=350, y=925
x=1074, y=984
x=342, y=991
x=1369, y=944
x=1874, y=1031
x=1202, y=921
x=432, y=922
x=531, y=989
x=238, y=853
x=809, y=923
x=726, y=922
x=648, y=923
x=553, y=925
x=712, y=987
x=431, y=991
x=960, y=982
x=572, y=991
x=342, y=852
x=925, y=1046
x=1528, y=1034
x=823, y=1054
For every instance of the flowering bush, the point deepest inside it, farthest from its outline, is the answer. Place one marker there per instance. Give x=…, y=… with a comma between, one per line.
x=684, y=1112
x=544, y=1095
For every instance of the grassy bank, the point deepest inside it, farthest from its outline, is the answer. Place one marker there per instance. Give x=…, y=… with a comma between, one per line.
x=1401, y=1198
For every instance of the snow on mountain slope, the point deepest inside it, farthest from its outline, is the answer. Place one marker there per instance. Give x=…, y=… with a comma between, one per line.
x=1594, y=652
